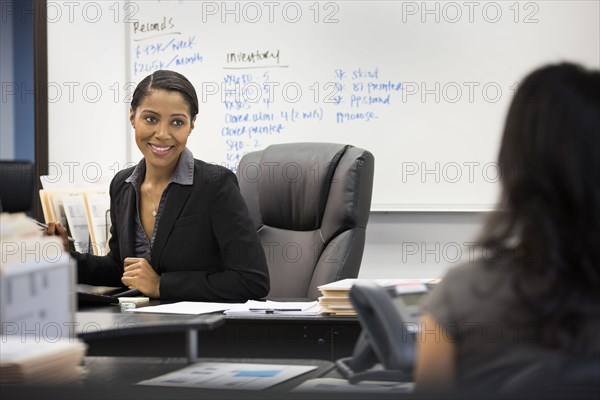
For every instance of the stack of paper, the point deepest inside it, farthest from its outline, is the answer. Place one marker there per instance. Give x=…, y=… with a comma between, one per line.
x=37, y=289
x=335, y=295
x=40, y=362
x=335, y=300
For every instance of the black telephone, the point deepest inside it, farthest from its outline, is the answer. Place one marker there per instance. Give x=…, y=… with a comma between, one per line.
x=389, y=318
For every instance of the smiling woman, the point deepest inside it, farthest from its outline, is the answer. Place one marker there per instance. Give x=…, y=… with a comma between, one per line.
x=180, y=227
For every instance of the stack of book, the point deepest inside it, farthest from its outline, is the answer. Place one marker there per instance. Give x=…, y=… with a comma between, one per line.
x=46, y=363
x=335, y=298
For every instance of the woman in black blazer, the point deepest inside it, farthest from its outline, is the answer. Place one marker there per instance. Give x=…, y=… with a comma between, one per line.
x=180, y=227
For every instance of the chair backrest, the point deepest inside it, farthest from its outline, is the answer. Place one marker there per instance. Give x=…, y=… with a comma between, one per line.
x=16, y=185
x=310, y=203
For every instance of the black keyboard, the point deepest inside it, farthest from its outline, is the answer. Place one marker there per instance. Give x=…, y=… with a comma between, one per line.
x=94, y=298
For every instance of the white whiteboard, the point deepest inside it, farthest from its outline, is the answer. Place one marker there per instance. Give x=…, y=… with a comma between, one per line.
x=434, y=80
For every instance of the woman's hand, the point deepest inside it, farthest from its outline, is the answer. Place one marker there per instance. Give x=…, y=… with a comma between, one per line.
x=140, y=275
x=55, y=228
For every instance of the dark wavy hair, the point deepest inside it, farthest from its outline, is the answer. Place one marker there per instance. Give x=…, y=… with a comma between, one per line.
x=170, y=81
x=550, y=219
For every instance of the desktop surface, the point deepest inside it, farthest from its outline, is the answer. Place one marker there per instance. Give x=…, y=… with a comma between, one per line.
x=97, y=324
x=263, y=335
x=117, y=378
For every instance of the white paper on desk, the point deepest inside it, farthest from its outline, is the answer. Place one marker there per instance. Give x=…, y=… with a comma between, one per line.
x=336, y=385
x=346, y=284
x=254, y=307
x=185, y=307
x=213, y=375
x=74, y=207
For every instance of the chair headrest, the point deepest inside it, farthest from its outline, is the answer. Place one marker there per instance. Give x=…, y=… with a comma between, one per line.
x=295, y=182
x=17, y=183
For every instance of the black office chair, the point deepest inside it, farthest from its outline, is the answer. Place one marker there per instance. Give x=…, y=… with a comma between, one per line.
x=17, y=186
x=310, y=203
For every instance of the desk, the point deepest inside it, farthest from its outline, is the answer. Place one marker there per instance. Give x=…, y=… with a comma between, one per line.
x=115, y=378
x=125, y=371
x=271, y=336
x=92, y=326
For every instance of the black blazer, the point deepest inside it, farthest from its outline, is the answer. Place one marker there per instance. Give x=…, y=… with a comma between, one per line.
x=205, y=249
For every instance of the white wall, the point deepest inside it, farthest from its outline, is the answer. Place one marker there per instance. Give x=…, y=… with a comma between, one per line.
x=419, y=244
x=88, y=111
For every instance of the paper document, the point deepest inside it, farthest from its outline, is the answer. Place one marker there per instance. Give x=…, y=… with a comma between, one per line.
x=96, y=204
x=74, y=207
x=185, y=307
x=212, y=375
x=334, y=385
x=47, y=208
x=58, y=210
x=253, y=307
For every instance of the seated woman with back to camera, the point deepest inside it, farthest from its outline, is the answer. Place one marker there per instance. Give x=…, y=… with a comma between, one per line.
x=538, y=298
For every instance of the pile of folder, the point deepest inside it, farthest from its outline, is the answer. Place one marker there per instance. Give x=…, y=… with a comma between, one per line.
x=335, y=300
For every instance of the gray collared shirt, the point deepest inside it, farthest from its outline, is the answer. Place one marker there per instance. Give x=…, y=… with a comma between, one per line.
x=183, y=175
